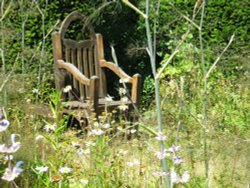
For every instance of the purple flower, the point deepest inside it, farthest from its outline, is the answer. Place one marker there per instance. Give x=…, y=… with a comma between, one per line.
x=10, y=148
x=178, y=160
x=175, y=178
x=174, y=148
x=11, y=173
x=4, y=125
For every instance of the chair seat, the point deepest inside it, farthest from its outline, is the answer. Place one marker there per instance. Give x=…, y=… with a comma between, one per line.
x=81, y=109
x=73, y=105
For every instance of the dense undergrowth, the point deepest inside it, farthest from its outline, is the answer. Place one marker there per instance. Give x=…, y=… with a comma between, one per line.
x=115, y=152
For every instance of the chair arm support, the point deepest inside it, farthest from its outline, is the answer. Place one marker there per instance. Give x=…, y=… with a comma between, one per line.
x=94, y=92
x=117, y=70
x=136, y=89
x=135, y=80
x=74, y=71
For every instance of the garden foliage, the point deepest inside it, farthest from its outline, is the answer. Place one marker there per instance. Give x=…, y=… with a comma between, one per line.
x=26, y=81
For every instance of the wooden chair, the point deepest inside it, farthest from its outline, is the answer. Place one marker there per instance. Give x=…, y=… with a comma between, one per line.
x=82, y=65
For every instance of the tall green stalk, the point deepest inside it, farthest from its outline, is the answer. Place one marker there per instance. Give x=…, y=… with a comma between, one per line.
x=41, y=61
x=204, y=97
x=157, y=90
x=151, y=49
x=3, y=48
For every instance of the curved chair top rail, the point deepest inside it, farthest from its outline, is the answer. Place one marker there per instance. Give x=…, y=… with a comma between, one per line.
x=73, y=17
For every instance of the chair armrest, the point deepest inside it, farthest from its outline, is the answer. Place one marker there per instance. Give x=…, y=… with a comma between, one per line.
x=135, y=80
x=117, y=70
x=74, y=71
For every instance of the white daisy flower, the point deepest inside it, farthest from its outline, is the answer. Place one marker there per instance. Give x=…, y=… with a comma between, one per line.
x=41, y=169
x=67, y=89
x=84, y=181
x=106, y=126
x=97, y=132
x=65, y=170
x=49, y=127
x=123, y=107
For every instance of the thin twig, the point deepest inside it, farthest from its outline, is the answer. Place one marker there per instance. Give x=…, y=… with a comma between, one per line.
x=155, y=25
x=219, y=57
x=135, y=9
x=8, y=76
x=183, y=38
x=180, y=104
x=125, y=87
x=165, y=64
x=6, y=11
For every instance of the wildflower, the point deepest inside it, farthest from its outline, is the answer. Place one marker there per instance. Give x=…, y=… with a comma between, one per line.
x=124, y=99
x=83, y=151
x=135, y=162
x=67, y=89
x=13, y=147
x=39, y=137
x=49, y=127
x=114, y=112
x=178, y=160
x=162, y=155
x=109, y=98
x=160, y=174
x=97, y=132
x=4, y=124
x=122, y=152
x=96, y=124
x=133, y=131
x=75, y=144
x=11, y=173
x=88, y=144
x=122, y=91
x=84, y=181
x=185, y=177
x=41, y=169
x=174, y=148
x=176, y=179
x=106, y=126
x=119, y=128
x=65, y=170
x=123, y=107
x=28, y=100
x=130, y=164
x=35, y=90
x=161, y=137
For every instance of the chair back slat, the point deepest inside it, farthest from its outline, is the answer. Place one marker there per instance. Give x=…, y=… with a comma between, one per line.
x=80, y=67
x=99, y=71
x=67, y=54
x=74, y=62
x=91, y=63
x=85, y=68
x=99, y=53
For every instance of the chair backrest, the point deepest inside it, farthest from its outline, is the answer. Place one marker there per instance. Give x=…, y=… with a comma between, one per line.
x=84, y=54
